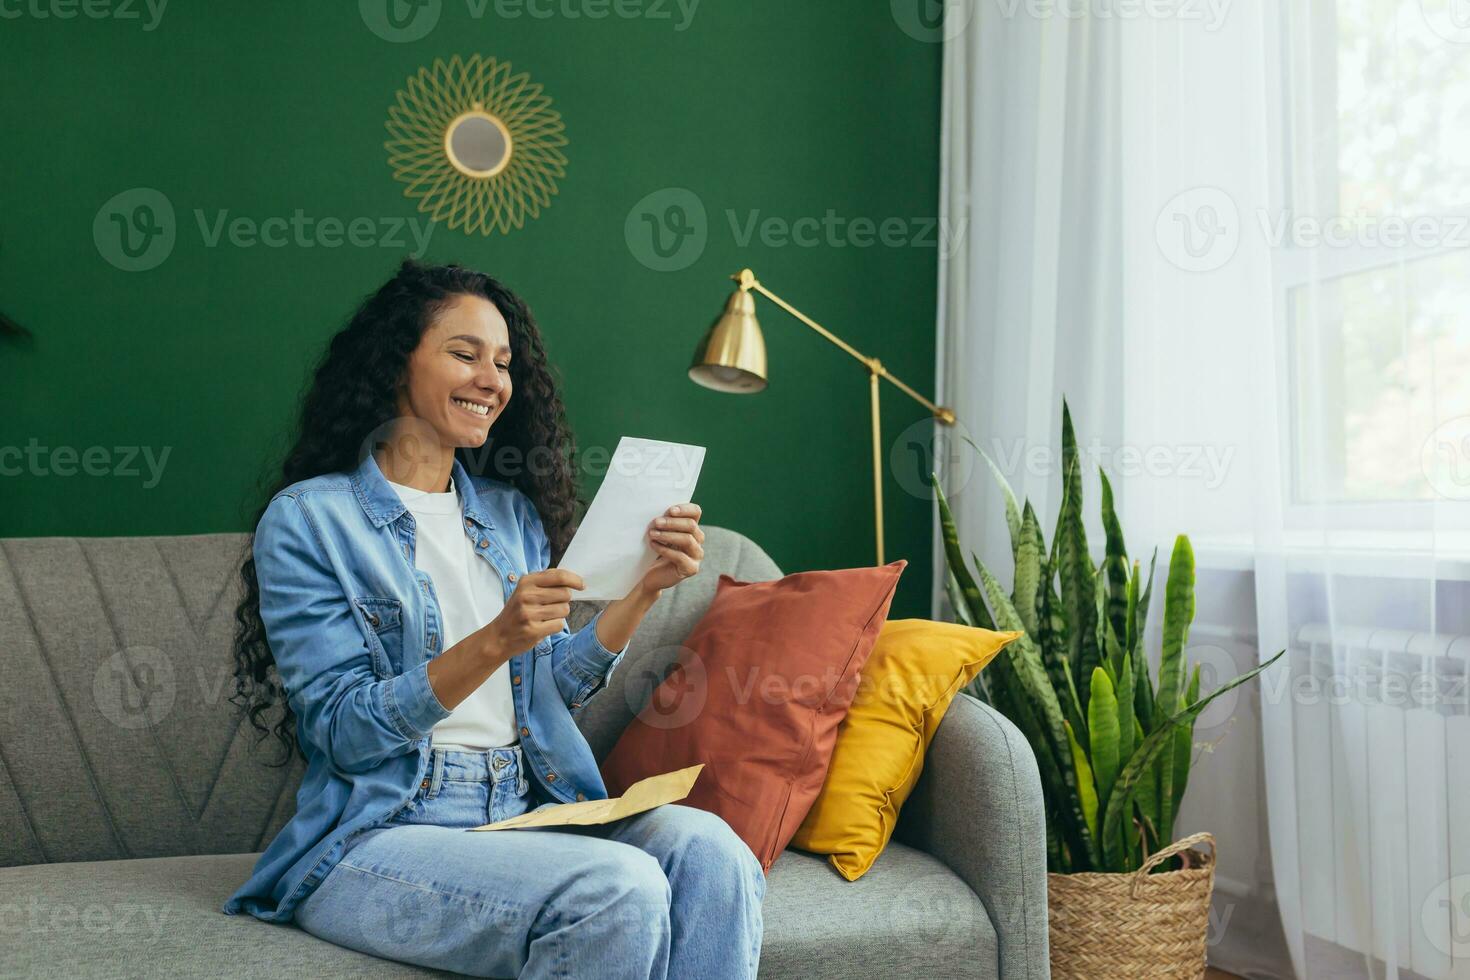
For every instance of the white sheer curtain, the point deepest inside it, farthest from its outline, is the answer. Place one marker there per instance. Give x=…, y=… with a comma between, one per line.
x=1236, y=236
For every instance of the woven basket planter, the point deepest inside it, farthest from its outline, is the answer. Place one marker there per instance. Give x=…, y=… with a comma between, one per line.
x=1137, y=925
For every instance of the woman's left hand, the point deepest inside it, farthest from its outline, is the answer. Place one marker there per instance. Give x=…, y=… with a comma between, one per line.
x=678, y=541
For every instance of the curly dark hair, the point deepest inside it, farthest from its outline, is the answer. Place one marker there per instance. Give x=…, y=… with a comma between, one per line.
x=352, y=393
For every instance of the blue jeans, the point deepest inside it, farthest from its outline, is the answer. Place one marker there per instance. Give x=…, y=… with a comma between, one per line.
x=670, y=892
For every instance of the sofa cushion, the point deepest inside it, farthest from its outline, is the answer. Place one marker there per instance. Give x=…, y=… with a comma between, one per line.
x=914, y=673
x=159, y=917
x=909, y=916
x=771, y=669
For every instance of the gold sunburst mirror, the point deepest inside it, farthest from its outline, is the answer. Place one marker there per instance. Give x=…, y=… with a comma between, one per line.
x=478, y=146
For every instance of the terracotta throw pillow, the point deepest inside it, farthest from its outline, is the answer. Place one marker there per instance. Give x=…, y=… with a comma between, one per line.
x=757, y=694
x=915, y=671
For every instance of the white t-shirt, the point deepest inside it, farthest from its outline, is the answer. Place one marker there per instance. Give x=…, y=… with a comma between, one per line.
x=470, y=595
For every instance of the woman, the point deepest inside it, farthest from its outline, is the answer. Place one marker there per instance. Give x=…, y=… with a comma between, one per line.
x=403, y=624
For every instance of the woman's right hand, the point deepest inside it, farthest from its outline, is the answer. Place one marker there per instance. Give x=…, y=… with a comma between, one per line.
x=538, y=608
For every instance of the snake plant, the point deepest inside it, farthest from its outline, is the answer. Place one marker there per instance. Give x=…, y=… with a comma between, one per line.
x=1114, y=746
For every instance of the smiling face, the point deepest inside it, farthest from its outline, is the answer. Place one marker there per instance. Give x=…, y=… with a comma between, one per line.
x=458, y=378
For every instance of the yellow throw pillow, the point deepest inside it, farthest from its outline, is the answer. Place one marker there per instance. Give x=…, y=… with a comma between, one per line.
x=914, y=672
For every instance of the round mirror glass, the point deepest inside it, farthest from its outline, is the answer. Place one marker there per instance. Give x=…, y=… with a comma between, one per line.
x=478, y=144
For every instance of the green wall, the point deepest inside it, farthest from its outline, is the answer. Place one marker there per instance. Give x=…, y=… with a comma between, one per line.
x=766, y=108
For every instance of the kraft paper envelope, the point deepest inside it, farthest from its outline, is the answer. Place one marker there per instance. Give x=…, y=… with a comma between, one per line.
x=645, y=794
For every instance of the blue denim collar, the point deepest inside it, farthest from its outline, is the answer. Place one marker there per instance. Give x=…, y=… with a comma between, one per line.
x=382, y=504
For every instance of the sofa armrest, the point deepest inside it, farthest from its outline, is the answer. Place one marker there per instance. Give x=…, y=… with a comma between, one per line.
x=978, y=808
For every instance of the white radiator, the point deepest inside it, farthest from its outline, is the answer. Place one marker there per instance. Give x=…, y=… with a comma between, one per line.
x=1382, y=737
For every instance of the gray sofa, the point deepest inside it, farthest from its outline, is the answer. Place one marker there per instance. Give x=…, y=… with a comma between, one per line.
x=133, y=801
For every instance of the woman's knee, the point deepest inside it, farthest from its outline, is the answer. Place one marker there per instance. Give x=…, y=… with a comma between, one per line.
x=706, y=841
x=626, y=884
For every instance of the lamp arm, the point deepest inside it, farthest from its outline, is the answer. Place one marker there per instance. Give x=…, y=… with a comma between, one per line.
x=747, y=280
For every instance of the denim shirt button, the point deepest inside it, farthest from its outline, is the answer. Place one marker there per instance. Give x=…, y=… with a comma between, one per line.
x=525, y=730
x=581, y=796
x=516, y=679
x=484, y=543
x=512, y=576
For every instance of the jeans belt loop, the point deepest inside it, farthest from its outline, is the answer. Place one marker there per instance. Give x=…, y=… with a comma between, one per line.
x=522, y=783
x=437, y=780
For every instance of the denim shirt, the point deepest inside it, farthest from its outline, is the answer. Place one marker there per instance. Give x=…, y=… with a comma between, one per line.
x=353, y=625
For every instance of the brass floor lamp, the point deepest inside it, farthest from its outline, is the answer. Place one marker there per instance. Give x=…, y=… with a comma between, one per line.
x=732, y=358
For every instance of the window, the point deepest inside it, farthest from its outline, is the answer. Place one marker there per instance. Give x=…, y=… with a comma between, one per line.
x=1371, y=253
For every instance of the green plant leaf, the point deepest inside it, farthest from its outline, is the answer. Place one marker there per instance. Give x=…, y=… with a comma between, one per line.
x=1100, y=619
x=1130, y=618
x=1025, y=660
x=1143, y=693
x=965, y=582
x=1071, y=704
x=1029, y=567
x=1076, y=573
x=1128, y=739
x=1113, y=652
x=1127, y=723
x=1143, y=757
x=1184, y=746
x=1115, y=561
x=1110, y=651
x=1086, y=788
x=1013, y=513
x=957, y=599
x=1069, y=440
x=1102, y=727
x=1143, y=604
x=1053, y=629
x=1178, y=614
x=1146, y=801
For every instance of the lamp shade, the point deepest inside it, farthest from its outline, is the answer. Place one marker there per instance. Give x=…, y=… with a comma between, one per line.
x=732, y=355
